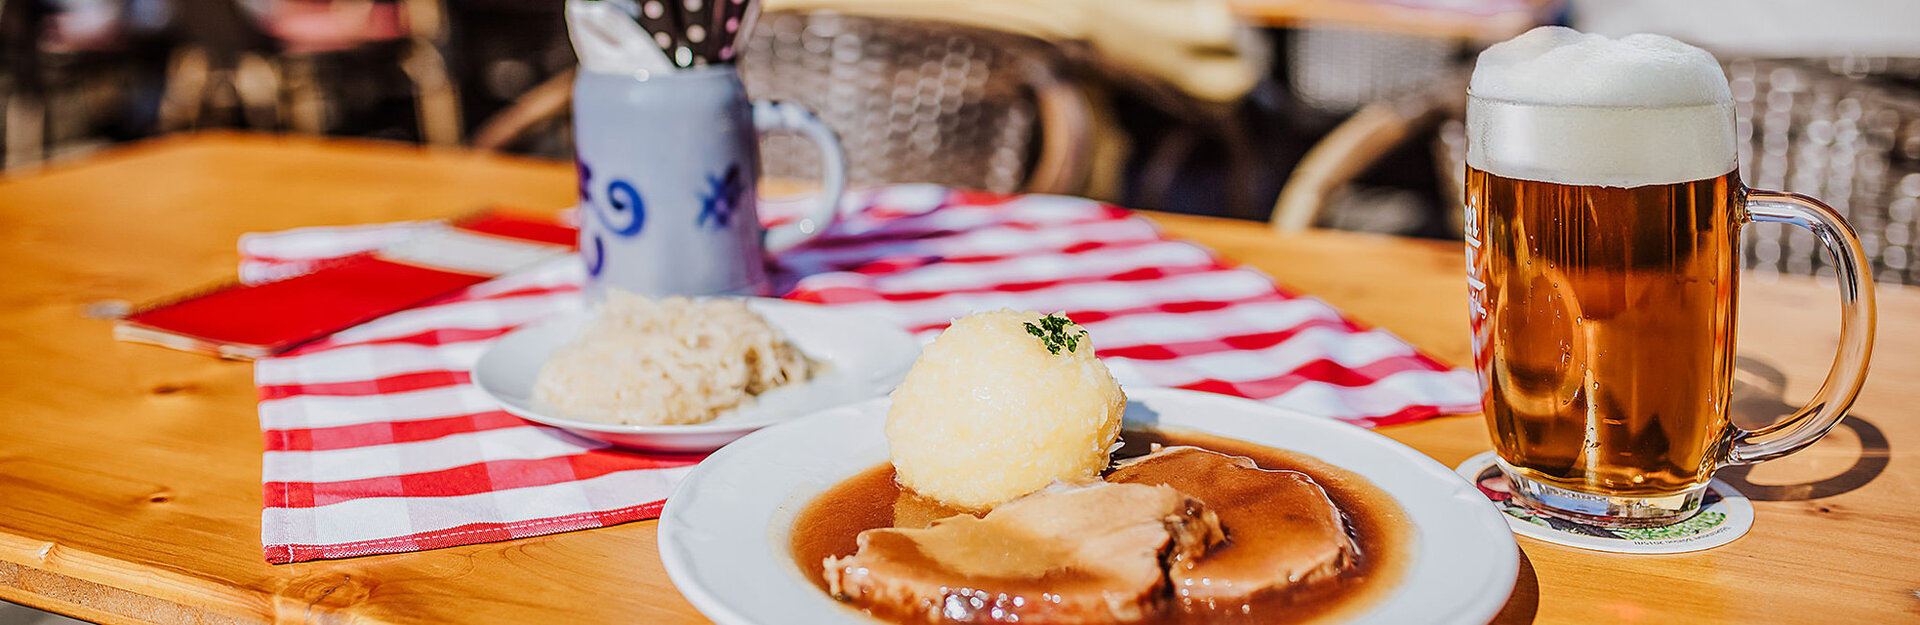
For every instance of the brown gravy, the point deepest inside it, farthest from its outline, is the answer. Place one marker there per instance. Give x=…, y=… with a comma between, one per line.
x=872, y=499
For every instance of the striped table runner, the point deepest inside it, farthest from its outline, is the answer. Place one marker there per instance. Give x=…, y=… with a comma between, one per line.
x=377, y=443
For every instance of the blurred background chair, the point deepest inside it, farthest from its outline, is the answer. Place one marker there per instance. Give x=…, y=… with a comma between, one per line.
x=76, y=75
x=1846, y=131
x=1375, y=130
x=303, y=65
x=917, y=101
x=222, y=73
x=24, y=111
x=912, y=101
x=1360, y=89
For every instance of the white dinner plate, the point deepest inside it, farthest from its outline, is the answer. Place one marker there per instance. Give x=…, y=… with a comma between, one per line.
x=864, y=358
x=724, y=533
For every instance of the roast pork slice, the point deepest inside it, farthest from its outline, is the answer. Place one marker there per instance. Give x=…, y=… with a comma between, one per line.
x=1081, y=554
x=1282, y=530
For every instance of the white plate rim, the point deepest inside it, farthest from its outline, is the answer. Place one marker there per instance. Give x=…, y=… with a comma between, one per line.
x=777, y=311
x=1465, y=576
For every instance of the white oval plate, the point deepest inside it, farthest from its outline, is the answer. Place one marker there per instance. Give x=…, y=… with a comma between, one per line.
x=865, y=358
x=724, y=532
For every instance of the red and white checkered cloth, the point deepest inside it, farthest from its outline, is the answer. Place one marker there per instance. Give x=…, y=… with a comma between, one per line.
x=377, y=443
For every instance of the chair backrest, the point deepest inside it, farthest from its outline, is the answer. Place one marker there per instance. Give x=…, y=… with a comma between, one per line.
x=1851, y=141
x=912, y=101
x=1338, y=70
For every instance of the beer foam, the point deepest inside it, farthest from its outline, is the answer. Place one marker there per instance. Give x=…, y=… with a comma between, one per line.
x=1559, y=65
x=1556, y=105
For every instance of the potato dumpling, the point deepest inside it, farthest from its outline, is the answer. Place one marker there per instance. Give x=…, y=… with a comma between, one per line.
x=1000, y=405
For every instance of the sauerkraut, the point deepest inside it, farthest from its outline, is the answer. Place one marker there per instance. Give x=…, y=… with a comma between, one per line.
x=672, y=361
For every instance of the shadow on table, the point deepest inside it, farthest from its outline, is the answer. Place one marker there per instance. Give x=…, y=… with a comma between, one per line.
x=1759, y=399
x=1524, y=604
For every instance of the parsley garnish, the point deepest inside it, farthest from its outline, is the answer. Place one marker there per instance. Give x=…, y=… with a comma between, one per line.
x=1052, y=330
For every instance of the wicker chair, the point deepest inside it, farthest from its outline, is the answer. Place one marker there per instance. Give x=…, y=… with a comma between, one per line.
x=911, y=101
x=271, y=70
x=1837, y=130
x=1384, y=83
x=1354, y=145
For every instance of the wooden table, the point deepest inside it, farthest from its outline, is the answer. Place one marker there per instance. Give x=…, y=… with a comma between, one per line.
x=130, y=475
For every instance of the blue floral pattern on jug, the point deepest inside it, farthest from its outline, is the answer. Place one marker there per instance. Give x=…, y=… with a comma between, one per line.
x=624, y=214
x=722, y=197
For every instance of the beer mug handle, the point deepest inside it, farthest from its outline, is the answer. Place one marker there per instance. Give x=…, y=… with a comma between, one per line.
x=1849, y=370
x=769, y=116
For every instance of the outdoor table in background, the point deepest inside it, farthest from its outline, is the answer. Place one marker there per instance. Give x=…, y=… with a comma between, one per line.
x=130, y=475
x=1485, y=20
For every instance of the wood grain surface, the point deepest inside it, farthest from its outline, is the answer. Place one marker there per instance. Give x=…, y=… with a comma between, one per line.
x=130, y=475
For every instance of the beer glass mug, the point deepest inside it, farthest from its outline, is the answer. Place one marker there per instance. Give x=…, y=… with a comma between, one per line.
x=1604, y=210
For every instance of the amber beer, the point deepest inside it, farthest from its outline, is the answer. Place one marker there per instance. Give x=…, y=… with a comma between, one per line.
x=1607, y=335
x=1603, y=228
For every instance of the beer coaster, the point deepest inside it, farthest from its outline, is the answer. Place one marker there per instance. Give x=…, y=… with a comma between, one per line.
x=1725, y=515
